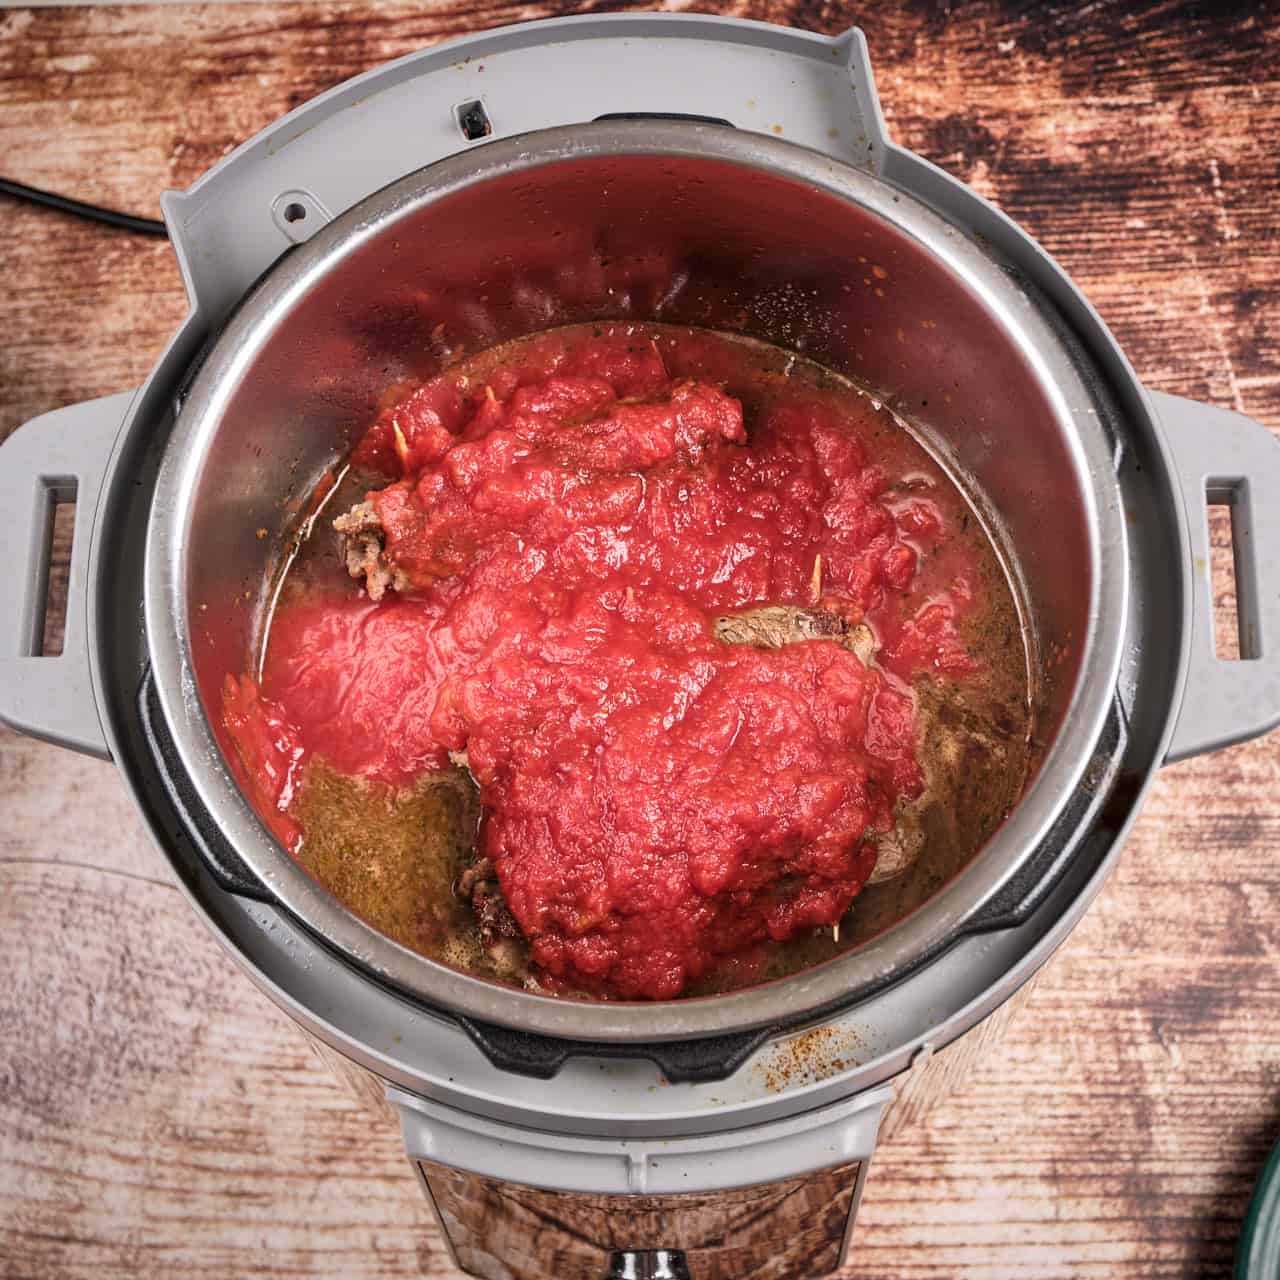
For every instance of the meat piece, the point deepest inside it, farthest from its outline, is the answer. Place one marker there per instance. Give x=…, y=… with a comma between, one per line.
x=955, y=741
x=477, y=873
x=363, y=544
x=771, y=626
x=478, y=884
x=492, y=914
x=766, y=627
x=899, y=847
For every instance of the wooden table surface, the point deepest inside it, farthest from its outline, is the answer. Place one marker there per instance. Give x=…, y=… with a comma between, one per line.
x=159, y=1118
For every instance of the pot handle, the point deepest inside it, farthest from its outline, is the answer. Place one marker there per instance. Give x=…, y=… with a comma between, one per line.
x=1224, y=457
x=58, y=457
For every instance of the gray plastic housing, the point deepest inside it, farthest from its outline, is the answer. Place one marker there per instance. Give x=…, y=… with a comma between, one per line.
x=329, y=154
x=58, y=457
x=785, y=1148
x=1224, y=457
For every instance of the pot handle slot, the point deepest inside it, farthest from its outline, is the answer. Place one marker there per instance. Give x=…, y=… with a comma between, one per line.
x=57, y=458
x=1224, y=456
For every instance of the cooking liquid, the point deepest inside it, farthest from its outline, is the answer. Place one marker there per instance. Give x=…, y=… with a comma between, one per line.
x=392, y=849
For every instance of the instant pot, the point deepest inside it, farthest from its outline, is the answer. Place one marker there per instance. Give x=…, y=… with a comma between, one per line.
x=693, y=170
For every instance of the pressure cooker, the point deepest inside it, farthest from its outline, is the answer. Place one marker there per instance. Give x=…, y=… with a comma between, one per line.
x=506, y=183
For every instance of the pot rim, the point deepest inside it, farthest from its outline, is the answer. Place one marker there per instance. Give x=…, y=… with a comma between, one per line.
x=834, y=982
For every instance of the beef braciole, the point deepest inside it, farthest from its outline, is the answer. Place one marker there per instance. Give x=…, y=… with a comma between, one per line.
x=659, y=658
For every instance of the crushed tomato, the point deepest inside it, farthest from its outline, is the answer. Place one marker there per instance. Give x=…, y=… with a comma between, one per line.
x=656, y=802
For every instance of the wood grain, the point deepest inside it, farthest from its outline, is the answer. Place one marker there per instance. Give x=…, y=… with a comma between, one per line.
x=787, y=1230
x=158, y=1117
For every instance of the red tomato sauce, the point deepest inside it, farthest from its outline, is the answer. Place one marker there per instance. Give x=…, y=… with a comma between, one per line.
x=565, y=521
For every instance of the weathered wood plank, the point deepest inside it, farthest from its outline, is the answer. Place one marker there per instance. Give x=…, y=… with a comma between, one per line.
x=779, y=1231
x=161, y=1118
x=59, y=807
x=158, y=1117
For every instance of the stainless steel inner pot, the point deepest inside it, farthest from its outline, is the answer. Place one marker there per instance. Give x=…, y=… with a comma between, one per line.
x=689, y=224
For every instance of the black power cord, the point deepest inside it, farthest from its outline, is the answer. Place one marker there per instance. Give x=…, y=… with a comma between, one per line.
x=93, y=212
